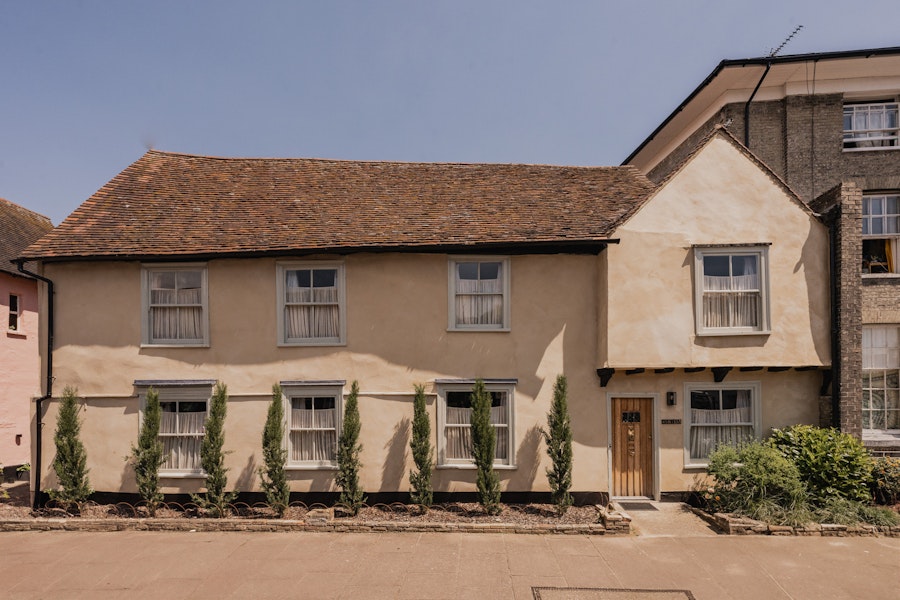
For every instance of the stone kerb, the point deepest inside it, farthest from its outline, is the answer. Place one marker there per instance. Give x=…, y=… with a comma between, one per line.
x=735, y=525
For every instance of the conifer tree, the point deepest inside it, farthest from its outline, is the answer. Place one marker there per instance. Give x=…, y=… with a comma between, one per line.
x=348, y=452
x=212, y=457
x=484, y=439
x=70, y=462
x=558, y=436
x=422, y=452
x=147, y=457
x=272, y=475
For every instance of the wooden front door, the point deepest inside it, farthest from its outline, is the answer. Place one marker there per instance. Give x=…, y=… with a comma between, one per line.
x=632, y=447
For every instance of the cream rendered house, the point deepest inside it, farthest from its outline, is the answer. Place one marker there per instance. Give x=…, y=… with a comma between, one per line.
x=184, y=270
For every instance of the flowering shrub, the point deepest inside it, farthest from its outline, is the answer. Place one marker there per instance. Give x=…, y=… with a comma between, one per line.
x=886, y=480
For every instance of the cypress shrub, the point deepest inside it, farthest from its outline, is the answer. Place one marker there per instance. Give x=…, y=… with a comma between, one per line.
x=484, y=440
x=212, y=457
x=422, y=452
x=558, y=437
x=147, y=457
x=70, y=462
x=272, y=475
x=349, y=448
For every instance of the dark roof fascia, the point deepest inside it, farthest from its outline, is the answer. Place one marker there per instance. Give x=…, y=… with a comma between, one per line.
x=540, y=247
x=760, y=62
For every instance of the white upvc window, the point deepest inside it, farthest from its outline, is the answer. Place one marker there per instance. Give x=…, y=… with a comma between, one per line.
x=719, y=414
x=175, y=304
x=881, y=233
x=312, y=307
x=184, y=406
x=314, y=412
x=731, y=285
x=455, y=418
x=881, y=378
x=871, y=125
x=15, y=312
x=479, y=294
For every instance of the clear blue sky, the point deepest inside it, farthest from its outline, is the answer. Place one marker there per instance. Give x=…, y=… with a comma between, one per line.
x=87, y=86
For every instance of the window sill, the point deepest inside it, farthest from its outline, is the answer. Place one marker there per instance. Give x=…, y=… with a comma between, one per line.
x=881, y=275
x=478, y=330
x=312, y=344
x=182, y=475
x=696, y=466
x=311, y=467
x=472, y=467
x=871, y=149
x=203, y=345
x=724, y=333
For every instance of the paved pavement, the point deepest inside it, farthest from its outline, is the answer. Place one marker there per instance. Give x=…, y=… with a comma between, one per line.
x=135, y=564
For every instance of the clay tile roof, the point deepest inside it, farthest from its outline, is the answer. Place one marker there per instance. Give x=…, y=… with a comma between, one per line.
x=175, y=205
x=19, y=227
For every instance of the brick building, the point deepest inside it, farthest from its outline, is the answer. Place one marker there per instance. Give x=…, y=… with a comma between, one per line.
x=827, y=124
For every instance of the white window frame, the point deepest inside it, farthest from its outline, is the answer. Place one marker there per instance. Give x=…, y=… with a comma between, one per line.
x=281, y=271
x=176, y=391
x=885, y=138
x=146, y=309
x=15, y=315
x=881, y=360
x=305, y=389
x=761, y=251
x=755, y=388
x=878, y=265
x=507, y=386
x=452, y=324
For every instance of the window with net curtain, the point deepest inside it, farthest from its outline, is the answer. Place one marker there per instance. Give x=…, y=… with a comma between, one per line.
x=722, y=415
x=881, y=378
x=183, y=410
x=313, y=423
x=881, y=233
x=871, y=125
x=176, y=305
x=479, y=294
x=731, y=288
x=311, y=303
x=456, y=436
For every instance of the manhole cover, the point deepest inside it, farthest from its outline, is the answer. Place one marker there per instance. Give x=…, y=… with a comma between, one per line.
x=554, y=593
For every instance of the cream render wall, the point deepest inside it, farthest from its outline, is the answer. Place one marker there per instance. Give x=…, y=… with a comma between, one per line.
x=719, y=197
x=396, y=336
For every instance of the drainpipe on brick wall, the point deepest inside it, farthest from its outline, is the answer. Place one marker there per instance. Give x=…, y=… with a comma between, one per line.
x=835, y=328
x=747, y=106
x=36, y=468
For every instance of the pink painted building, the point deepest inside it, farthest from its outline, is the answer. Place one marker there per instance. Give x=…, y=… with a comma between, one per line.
x=20, y=366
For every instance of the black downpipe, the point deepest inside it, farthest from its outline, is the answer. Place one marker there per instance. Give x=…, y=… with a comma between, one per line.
x=835, y=327
x=49, y=387
x=747, y=106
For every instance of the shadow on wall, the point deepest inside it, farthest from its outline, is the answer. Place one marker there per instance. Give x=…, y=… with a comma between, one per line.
x=246, y=478
x=394, y=468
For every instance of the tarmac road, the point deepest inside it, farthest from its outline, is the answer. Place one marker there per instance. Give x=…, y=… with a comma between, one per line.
x=64, y=565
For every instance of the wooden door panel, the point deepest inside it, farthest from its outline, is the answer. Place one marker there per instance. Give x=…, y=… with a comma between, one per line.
x=632, y=446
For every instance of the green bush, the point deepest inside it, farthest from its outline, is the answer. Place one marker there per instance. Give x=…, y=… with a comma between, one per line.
x=348, y=451
x=886, y=480
x=831, y=463
x=850, y=512
x=70, y=463
x=212, y=457
x=422, y=492
x=148, y=456
x=757, y=481
x=272, y=474
x=558, y=437
x=484, y=441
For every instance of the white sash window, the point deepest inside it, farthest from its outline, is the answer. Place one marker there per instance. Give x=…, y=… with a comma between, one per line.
x=731, y=285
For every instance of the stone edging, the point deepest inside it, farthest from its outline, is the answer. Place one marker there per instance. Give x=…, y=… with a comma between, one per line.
x=193, y=525
x=733, y=525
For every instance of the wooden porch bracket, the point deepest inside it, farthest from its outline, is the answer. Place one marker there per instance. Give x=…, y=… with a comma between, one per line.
x=778, y=369
x=694, y=369
x=719, y=373
x=745, y=369
x=666, y=370
x=634, y=371
x=605, y=375
x=826, y=382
